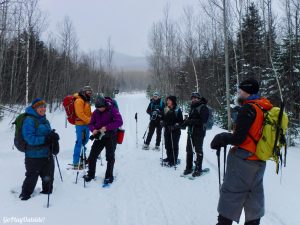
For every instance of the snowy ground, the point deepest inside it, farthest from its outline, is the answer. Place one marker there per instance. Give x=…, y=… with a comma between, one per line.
x=144, y=193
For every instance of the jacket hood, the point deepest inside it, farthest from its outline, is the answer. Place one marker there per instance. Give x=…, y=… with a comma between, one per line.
x=29, y=110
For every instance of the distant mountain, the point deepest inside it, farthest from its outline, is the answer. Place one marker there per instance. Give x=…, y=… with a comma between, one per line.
x=127, y=62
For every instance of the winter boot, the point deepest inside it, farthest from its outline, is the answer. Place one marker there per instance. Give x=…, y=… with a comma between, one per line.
x=24, y=197
x=45, y=192
x=187, y=171
x=223, y=220
x=156, y=148
x=253, y=222
x=146, y=147
x=109, y=170
x=88, y=178
x=198, y=168
x=165, y=160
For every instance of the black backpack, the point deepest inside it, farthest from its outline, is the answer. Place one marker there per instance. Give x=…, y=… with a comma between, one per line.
x=19, y=141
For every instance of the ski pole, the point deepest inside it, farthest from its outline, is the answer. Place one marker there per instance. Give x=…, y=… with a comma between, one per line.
x=51, y=174
x=219, y=169
x=175, y=163
x=146, y=132
x=78, y=166
x=84, y=167
x=162, y=148
x=58, y=168
x=136, y=129
x=225, y=154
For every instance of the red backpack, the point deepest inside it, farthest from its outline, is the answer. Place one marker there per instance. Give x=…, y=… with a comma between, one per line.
x=68, y=104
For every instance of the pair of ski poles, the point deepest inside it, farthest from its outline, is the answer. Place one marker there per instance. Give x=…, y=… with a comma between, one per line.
x=219, y=164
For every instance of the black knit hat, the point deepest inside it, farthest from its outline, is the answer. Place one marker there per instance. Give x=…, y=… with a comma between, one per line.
x=195, y=95
x=100, y=102
x=173, y=99
x=250, y=85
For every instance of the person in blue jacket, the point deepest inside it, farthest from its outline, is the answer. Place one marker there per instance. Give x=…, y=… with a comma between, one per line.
x=42, y=143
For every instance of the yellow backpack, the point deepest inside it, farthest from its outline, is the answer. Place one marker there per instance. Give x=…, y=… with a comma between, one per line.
x=274, y=130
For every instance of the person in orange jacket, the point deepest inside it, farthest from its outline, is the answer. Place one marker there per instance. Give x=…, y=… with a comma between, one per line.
x=83, y=112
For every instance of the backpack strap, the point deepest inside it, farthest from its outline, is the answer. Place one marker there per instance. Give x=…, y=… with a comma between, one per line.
x=161, y=103
x=176, y=111
x=253, y=104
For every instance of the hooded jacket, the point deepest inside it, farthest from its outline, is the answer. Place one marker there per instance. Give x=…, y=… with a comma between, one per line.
x=35, y=129
x=110, y=118
x=82, y=110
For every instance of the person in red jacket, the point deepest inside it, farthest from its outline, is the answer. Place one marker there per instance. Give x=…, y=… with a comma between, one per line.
x=243, y=183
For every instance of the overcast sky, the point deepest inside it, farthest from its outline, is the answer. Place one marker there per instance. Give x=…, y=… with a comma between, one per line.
x=127, y=22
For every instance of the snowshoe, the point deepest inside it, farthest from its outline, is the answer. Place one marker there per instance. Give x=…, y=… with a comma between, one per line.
x=199, y=173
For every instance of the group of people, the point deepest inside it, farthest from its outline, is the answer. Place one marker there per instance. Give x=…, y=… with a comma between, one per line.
x=169, y=118
x=242, y=188
x=42, y=141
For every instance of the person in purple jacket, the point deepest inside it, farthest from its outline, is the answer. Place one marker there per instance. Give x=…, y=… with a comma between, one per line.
x=104, y=124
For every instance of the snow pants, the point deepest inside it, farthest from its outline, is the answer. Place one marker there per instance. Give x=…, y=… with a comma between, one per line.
x=36, y=167
x=152, y=126
x=195, y=137
x=109, y=143
x=242, y=188
x=172, y=150
x=82, y=137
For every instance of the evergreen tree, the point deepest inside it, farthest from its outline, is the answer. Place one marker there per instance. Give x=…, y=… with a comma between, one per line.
x=251, y=53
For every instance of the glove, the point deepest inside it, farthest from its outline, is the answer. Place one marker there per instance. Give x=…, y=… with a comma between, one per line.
x=183, y=125
x=162, y=123
x=176, y=126
x=52, y=137
x=219, y=141
x=55, y=148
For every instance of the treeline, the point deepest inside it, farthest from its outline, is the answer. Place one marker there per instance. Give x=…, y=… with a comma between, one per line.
x=50, y=66
x=188, y=54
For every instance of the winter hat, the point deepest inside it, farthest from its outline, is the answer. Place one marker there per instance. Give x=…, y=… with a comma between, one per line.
x=37, y=102
x=86, y=88
x=173, y=99
x=196, y=95
x=100, y=102
x=156, y=94
x=251, y=86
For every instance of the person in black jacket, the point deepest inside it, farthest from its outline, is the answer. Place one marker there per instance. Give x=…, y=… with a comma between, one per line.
x=155, y=110
x=172, y=120
x=195, y=122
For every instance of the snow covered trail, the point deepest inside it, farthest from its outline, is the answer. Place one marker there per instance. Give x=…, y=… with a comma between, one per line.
x=144, y=193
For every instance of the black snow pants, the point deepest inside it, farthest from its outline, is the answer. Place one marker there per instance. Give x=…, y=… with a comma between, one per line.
x=195, y=140
x=110, y=144
x=172, y=150
x=35, y=167
x=152, y=126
